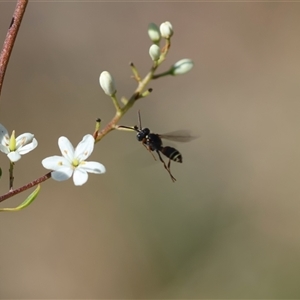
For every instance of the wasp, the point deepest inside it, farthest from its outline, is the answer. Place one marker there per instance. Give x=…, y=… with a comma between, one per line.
x=153, y=143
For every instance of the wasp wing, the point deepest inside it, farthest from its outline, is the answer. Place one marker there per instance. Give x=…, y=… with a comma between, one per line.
x=182, y=136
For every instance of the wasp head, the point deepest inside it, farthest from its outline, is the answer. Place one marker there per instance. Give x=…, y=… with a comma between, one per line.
x=142, y=134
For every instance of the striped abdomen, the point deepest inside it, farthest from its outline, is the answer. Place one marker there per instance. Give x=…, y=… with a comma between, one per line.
x=172, y=153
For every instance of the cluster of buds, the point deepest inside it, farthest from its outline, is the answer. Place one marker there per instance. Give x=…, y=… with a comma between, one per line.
x=155, y=33
x=157, y=54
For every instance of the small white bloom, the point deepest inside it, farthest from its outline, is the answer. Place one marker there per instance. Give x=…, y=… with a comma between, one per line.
x=73, y=161
x=182, y=66
x=154, y=52
x=15, y=147
x=107, y=83
x=154, y=33
x=166, y=30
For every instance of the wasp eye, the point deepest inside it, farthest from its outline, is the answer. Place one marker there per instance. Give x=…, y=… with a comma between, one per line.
x=140, y=136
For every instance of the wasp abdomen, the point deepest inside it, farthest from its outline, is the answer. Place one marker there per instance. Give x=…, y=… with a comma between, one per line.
x=172, y=153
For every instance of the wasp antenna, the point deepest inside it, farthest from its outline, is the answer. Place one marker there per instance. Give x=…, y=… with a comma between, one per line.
x=139, y=119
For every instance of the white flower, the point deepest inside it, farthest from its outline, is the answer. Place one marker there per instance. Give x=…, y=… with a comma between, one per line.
x=154, y=33
x=182, y=66
x=73, y=161
x=154, y=52
x=166, y=30
x=15, y=147
x=107, y=83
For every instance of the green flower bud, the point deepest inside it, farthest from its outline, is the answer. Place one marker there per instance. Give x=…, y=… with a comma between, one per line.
x=107, y=83
x=154, y=52
x=166, y=30
x=154, y=33
x=182, y=66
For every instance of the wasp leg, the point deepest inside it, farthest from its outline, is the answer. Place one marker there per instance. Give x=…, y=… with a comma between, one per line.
x=168, y=169
x=148, y=148
x=169, y=164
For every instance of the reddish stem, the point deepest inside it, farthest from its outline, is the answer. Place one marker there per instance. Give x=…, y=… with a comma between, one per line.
x=25, y=187
x=11, y=37
x=4, y=59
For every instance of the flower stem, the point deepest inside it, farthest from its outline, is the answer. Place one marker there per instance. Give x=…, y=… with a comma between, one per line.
x=162, y=74
x=11, y=175
x=116, y=103
x=11, y=37
x=135, y=72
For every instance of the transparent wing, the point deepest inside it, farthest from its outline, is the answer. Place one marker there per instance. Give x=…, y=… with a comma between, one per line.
x=182, y=136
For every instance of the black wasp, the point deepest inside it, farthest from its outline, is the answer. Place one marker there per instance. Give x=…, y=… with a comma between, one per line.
x=152, y=142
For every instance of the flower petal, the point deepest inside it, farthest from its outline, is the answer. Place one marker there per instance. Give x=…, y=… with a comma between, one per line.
x=66, y=148
x=4, y=136
x=80, y=176
x=14, y=156
x=3, y=131
x=92, y=167
x=85, y=148
x=27, y=148
x=24, y=139
x=56, y=162
x=4, y=149
x=62, y=174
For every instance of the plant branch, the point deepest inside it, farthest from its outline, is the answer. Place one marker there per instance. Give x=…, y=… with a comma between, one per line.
x=25, y=187
x=11, y=37
x=138, y=93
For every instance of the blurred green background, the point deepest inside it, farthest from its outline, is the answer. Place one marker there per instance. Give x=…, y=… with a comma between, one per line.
x=229, y=226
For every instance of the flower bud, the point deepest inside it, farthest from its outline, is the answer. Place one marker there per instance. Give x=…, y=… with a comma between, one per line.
x=166, y=30
x=182, y=66
x=154, y=52
x=154, y=33
x=107, y=83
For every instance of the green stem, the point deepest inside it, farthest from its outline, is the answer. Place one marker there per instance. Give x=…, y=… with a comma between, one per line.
x=119, y=114
x=161, y=74
x=116, y=103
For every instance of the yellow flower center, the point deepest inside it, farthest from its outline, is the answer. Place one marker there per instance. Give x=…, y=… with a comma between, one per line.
x=75, y=162
x=12, y=142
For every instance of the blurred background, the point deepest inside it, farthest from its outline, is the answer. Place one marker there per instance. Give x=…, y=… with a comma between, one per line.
x=229, y=226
